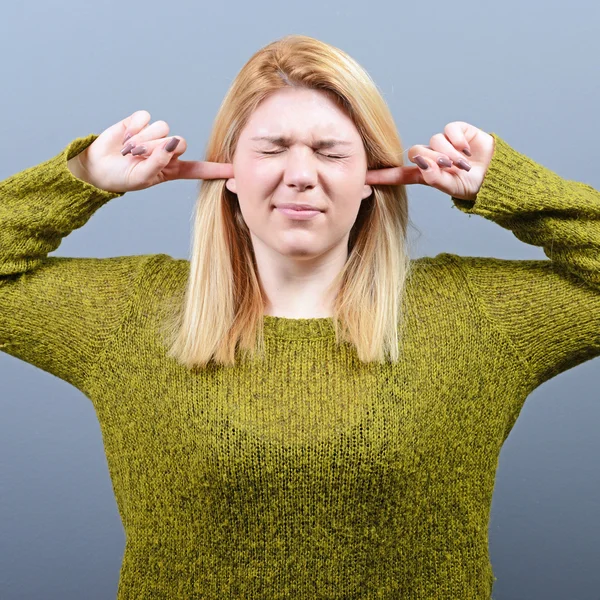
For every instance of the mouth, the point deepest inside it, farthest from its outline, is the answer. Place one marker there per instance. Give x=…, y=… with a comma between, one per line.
x=299, y=207
x=298, y=214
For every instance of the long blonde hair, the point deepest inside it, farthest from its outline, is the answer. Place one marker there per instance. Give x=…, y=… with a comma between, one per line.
x=224, y=303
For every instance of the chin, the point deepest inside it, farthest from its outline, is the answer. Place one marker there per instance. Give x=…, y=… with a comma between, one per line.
x=299, y=253
x=296, y=246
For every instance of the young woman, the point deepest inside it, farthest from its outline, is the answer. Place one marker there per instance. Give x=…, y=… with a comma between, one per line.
x=301, y=410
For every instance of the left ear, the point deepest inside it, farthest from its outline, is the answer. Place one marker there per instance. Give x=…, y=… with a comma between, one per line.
x=367, y=191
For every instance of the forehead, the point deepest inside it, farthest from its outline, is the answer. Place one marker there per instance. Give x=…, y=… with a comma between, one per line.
x=297, y=113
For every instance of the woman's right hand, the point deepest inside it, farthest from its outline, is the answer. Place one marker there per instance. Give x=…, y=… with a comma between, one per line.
x=103, y=165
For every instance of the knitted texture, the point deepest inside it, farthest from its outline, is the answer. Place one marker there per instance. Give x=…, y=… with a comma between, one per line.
x=308, y=475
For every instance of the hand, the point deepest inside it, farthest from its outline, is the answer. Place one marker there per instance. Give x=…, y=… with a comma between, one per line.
x=454, y=180
x=103, y=164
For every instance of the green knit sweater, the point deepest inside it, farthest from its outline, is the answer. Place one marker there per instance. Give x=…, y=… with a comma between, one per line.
x=310, y=475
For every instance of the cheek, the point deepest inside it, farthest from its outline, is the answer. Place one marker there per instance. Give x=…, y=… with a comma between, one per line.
x=346, y=193
x=254, y=191
x=256, y=180
x=347, y=183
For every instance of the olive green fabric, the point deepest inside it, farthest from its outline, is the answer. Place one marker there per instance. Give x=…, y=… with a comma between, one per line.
x=308, y=475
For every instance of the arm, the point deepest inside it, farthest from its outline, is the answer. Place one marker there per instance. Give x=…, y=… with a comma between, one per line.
x=56, y=312
x=549, y=309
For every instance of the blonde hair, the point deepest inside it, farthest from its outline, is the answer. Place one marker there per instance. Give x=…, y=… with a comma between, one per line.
x=224, y=303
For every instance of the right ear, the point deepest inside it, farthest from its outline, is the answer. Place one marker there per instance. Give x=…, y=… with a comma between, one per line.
x=231, y=186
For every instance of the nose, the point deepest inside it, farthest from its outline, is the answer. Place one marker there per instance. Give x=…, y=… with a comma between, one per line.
x=300, y=170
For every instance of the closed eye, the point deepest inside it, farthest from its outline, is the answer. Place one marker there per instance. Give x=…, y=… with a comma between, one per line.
x=326, y=155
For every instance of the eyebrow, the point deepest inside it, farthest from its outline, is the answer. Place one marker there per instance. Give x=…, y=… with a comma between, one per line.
x=280, y=140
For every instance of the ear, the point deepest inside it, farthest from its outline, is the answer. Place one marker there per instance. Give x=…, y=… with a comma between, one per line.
x=231, y=186
x=367, y=191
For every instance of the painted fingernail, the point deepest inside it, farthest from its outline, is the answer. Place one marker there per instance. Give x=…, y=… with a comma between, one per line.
x=127, y=137
x=421, y=162
x=466, y=151
x=139, y=150
x=127, y=149
x=444, y=162
x=172, y=144
x=463, y=165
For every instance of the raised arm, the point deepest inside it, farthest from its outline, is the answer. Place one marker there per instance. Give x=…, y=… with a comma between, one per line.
x=57, y=313
x=549, y=310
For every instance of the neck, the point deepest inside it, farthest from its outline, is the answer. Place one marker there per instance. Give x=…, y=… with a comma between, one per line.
x=297, y=288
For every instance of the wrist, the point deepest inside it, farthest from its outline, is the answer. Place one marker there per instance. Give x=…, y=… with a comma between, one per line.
x=78, y=169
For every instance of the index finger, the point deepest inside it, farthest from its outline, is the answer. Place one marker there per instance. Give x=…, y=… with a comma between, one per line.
x=394, y=176
x=197, y=169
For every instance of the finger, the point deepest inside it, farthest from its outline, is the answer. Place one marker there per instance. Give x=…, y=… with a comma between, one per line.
x=157, y=159
x=114, y=134
x=460, y=134
x=192, y=169
x=421, y=150
x=146, y=148
x=182, y=169
x=135, y=123
x=440, y=160
x=430, y=169
x=444, y=148
x=394, y=176
x=157, y=131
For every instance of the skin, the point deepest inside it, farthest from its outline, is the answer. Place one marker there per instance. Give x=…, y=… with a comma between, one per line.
x=297, y=260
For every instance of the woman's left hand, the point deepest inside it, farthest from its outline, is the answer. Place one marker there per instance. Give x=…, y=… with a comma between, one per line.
x=461, y=179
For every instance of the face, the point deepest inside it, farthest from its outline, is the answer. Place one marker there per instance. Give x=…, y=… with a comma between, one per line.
x=299, y=147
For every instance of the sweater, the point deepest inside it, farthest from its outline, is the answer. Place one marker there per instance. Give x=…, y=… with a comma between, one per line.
x=307, y=475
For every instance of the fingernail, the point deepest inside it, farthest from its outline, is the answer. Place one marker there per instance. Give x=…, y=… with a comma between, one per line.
x=138, y=150
x=127, y=137
x=466, y=151
x=444, y=162
x=463, y=165
x=127, y=149
x=172, y=144
x=421, y=162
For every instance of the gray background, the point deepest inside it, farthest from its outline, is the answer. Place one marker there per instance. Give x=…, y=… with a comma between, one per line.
x=526, y=71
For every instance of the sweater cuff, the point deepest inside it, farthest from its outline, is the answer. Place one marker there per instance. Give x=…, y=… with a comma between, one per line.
x=513, y=183
x=76, y=199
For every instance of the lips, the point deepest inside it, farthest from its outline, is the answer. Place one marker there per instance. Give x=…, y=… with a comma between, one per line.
x=299, y=207
x=298, y=214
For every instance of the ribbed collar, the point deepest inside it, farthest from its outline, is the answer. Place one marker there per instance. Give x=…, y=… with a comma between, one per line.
x=282, y=327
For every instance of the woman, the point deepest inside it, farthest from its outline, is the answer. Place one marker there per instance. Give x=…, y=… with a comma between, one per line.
x=349, y=449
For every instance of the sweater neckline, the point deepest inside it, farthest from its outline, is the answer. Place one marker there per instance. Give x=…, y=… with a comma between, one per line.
x=286, y=328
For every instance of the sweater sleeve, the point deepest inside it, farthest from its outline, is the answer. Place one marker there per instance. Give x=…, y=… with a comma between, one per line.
x=57, y=313
x=548, y=309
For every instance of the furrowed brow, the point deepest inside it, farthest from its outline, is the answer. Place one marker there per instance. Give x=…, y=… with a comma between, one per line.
x=274, y=139
x=284, y=141
x=331, y=143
